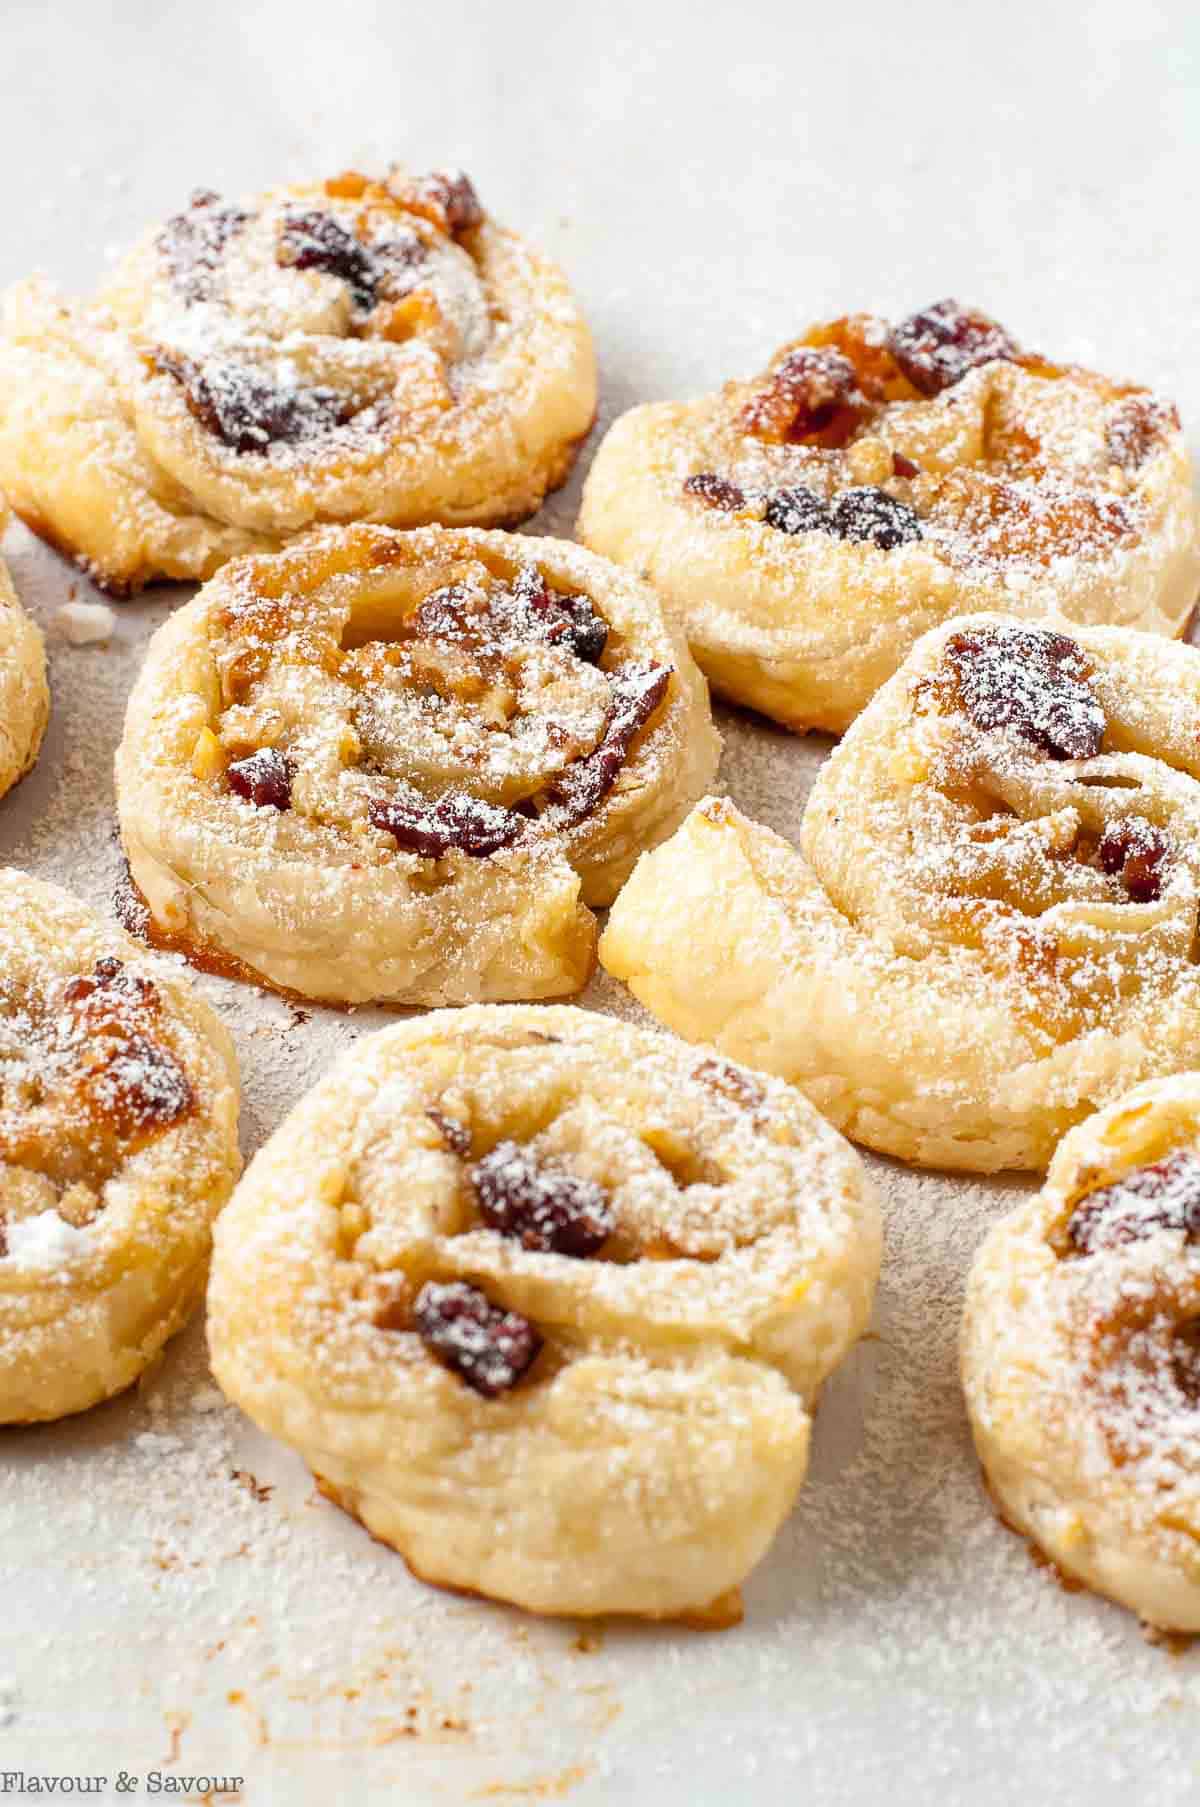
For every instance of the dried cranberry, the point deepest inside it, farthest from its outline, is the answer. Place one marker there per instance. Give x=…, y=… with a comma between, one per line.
x=488, y=1347
x=248, y=411
x=192, y=242
x=871, y=515
x=1139, y=853
x=560, y=615
x=936, y=347
x=541, y=1207
x=1031, y=680
x=318, y=241
x=715, y=491
x=1164, y=1196
x=904, y=467
x=797, y=511
x=637, y=692
x=264, y=779
x=455, y=820
x=813, y=391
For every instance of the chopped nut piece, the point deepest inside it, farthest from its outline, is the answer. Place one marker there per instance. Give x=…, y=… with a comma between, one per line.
x=208, y=757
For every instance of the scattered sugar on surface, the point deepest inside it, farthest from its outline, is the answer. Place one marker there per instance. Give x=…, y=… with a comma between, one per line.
x=85, y=623
x=144, y=1580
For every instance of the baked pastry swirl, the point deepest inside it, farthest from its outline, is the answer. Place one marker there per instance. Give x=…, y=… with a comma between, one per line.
x=545, y=1301
x=345, y=350
x=808, y=526
x=24, y=693
x=1081, y=1356
x=991, y=926
x=399, y=766
x=118, y=1146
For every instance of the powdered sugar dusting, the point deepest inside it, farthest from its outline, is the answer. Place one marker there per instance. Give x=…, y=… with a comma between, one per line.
x=286, y=1637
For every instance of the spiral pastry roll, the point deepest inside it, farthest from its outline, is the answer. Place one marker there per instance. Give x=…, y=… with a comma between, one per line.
x=24, y=693
x=1081, y=1356
x=118, y=1146
x=400, y=766
x=545, y=1301
x=808, y=526
x=344, y=350
x=991, y=926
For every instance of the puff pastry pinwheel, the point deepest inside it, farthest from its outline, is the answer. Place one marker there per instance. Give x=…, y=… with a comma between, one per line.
x=808, y=526
x=545, y=1301
x=1081, y=1356
x=398, y=767
x=118, y=1146
x=24, y=694
x=343, y=350
x=991, y=926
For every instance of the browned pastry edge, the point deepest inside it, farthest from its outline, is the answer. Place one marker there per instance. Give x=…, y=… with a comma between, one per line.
x=122, y=589
x=713, y=1615
x=134, y=915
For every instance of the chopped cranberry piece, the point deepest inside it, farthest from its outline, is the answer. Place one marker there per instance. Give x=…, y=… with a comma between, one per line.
x=1164, y=1196
x=529, y=610
x=637, y=692
x=543, y=1208
x=936, y=347
x=814, y=391
x=797, y=511
x=483, y=1344
x=264, y=779
x=904, y=467
x=872, y=515
x=192, y=242
x=247, y=410
x=1138, y=853
x=715, y=491
x=455, y=820
x=560, y=615
x=318, y=241
x=1031, y=680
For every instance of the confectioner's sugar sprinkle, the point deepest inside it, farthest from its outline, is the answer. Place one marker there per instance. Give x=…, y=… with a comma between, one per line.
x=45, y=1240
x=85, y=623
x=166, y=1587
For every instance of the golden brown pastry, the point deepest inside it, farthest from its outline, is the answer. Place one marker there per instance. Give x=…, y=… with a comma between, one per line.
x=990, y=926
x=343, y=350
x=1081, y=1356
x=545, y=1301
x=400, y=766
x=118, y=1146
x=24, y=693
x=809, y=525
